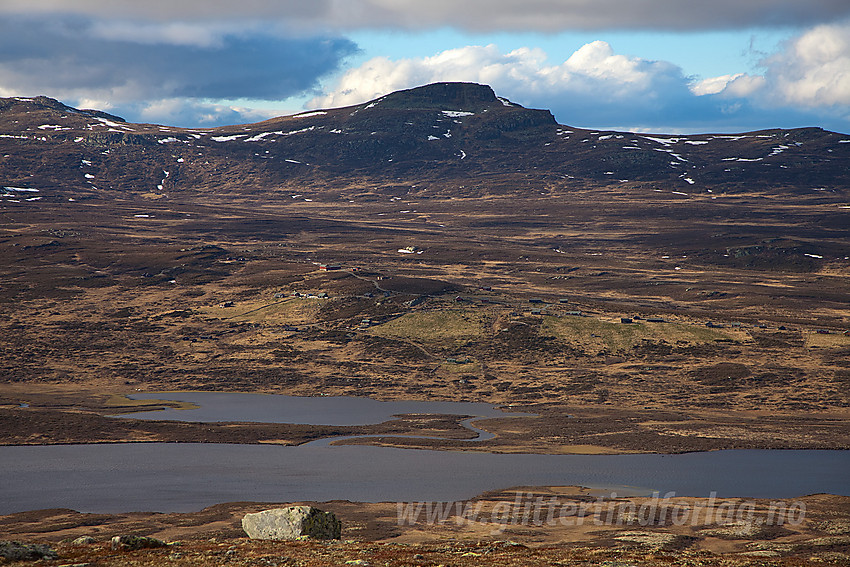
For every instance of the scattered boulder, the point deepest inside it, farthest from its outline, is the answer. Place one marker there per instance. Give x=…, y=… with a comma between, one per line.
x=131, y=542
x=17, y=551
x=83, y=540
x=291, y=523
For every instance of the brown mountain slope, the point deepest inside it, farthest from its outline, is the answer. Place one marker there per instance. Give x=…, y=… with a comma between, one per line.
x=448, y=138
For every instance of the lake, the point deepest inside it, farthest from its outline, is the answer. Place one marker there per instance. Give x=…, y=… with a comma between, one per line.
x=186, y=477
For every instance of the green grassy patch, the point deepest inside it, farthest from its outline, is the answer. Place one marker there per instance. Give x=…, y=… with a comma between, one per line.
x=434, y=326
x=125, y=404
x=596, y=334
x=288, y=311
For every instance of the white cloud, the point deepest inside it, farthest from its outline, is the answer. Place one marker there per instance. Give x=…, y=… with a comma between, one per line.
x=524, y=75
x=814, y=69
x=810, y=71
x=737, y=85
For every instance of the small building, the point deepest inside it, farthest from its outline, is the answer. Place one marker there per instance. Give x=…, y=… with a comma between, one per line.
x=535, y=300
x=329, y=267
x=655, y=320
x=227, y=304
x=563, y=300
x=322, y=295
x=822, y=331
x=626, y=320
x=279, y=295
x=711, y=325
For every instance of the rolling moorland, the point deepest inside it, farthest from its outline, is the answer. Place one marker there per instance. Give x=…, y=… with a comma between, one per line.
x=636, y=293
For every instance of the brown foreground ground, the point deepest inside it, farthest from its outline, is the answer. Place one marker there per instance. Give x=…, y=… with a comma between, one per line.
x=99, y=299
x=97, y=302
x=523, y=526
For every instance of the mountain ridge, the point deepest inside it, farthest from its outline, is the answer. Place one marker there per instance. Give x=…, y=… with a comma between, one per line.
x=438, y=136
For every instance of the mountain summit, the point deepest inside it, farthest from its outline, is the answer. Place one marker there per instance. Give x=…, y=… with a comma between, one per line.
x=446, y=137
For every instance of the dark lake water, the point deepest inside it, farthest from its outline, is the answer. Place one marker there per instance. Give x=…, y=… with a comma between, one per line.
x=323, y=410
x=186, y=477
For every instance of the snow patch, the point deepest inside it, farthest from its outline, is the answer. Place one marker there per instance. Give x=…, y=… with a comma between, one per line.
x=228, y=138
x=21, y=189
x=309, y=114
x=113, y=124
x=814, y=256
x=662, y=141
x=301, y=131
x=457, y=113
x=259, y=137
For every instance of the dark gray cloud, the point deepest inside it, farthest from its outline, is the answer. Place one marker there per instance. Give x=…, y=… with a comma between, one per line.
x=478, y=15
x=72, y=56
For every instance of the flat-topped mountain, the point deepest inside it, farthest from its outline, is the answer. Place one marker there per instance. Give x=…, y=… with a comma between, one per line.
x=442, y=138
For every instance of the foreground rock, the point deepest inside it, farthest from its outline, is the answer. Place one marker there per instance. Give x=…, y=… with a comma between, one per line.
x=291, y=523
x=131, y=542
x=16, y=551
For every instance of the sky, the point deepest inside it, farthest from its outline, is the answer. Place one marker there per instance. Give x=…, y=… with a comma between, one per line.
x=669, y=66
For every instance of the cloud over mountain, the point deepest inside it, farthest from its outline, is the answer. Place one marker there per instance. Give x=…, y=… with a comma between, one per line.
x=809, y=78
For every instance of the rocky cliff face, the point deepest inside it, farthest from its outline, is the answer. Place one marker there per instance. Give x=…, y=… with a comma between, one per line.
x=445, y=137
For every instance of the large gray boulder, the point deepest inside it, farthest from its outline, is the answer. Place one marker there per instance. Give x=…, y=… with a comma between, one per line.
x=291, y=523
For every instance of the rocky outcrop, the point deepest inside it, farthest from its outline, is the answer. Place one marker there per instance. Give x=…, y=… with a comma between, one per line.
x=17, y=551
x=131, y=542
x=291, y=523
